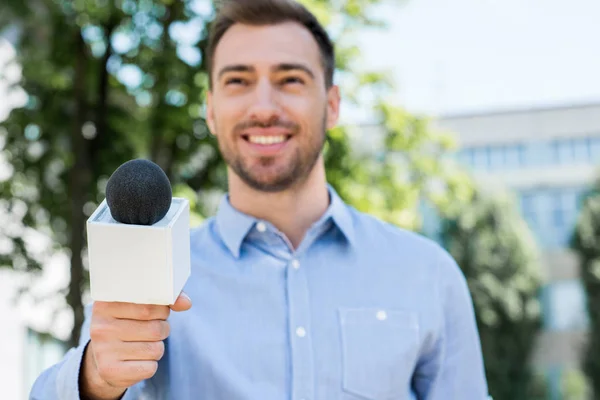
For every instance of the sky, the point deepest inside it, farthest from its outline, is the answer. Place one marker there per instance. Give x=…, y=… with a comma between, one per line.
x=480, y=55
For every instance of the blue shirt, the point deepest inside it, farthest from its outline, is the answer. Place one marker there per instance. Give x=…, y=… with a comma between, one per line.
x=360, y=310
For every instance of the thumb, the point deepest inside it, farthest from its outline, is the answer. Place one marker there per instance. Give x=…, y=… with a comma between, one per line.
x=183, y=303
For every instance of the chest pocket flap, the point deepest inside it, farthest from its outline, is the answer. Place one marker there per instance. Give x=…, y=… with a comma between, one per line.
x=380, y=348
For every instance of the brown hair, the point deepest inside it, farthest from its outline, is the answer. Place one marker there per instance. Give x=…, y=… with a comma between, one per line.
x=269, y=12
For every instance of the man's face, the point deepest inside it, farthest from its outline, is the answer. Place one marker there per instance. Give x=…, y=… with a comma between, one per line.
x=269, y=107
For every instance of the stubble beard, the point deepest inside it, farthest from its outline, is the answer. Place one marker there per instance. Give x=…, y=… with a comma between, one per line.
x=295, y=172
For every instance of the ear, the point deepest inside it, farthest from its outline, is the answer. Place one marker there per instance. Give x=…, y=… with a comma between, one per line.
x=333, y=106
x=210, y=112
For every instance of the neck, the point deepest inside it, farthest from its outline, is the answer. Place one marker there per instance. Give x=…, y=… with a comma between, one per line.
x=292, y=211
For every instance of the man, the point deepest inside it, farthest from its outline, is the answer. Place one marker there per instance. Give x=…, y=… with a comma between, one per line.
x=296, y=295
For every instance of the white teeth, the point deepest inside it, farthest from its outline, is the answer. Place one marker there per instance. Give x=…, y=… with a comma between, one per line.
x=266, y=139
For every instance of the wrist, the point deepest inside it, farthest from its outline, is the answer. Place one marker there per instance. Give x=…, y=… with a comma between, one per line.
x=91, y=385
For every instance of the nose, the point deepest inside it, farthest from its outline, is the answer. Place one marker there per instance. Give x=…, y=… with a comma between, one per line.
x=265, y=105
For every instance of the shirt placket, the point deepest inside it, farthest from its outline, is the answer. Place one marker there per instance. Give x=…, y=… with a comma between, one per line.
x=300, y=332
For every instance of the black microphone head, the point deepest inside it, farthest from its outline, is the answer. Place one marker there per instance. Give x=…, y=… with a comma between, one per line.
x=138, y=193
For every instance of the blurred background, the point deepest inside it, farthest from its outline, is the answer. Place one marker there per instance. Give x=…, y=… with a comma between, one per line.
x=474, y=122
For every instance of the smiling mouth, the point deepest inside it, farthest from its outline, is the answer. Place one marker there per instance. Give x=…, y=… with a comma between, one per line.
x=266, y=140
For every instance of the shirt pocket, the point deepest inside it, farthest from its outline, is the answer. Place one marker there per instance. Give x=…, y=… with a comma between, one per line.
x=379, y=351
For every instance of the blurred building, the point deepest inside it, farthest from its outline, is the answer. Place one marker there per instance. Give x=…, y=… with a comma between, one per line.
x=548, y=157
x=24, y=351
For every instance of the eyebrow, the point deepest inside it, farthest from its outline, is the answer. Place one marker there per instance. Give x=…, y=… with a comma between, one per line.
x=283, y=67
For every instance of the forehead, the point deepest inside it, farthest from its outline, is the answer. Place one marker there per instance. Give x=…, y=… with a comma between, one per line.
x=264, y=46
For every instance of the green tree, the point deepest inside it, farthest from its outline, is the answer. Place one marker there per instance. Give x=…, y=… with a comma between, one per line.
x=94, y=103
x=499, y=258
x=111, y=80
x=574, y=385
x=586, y=244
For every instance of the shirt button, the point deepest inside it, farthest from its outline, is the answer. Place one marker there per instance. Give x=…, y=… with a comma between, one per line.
x=381, y=315
x=295, y=264
x=301, y=332
x=261, y=227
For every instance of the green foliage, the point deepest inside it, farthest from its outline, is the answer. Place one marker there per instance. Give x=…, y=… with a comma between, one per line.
x=498, y=256
x=112, y=80
x=574, y=385
x=411, y=167
x=94, y=103
x=586, y=244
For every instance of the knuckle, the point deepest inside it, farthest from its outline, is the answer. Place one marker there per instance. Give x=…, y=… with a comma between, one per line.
x=99, y=331
x=164, y=313
x=159, y=330
x=159, y=350
x=145, y=311
x=155, y=350
x=166, y=329
x=146, y=370
x=154, y=330
x=152, y=368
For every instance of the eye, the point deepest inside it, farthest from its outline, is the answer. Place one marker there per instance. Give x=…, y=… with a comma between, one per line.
x=234, y=81
x=292, y=79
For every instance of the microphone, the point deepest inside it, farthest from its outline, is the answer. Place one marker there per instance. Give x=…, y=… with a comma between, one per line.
x=139, y=238
x=138, y=193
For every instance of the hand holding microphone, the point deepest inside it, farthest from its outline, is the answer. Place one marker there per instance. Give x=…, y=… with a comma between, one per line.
x=125, y=347
x=127, y=328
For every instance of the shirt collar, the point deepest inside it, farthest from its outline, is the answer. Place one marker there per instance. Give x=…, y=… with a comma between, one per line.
x=341, y=215
x=234, y=226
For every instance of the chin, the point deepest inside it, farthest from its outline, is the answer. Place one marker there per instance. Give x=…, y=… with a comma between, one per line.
x=272, y=185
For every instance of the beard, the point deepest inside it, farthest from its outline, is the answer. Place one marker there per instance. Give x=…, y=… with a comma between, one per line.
x=263, y=175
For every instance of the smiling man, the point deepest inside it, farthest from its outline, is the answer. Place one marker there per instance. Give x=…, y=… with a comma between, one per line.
x=296, y=294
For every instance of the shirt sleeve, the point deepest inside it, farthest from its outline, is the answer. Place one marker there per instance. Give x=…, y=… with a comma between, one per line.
x=61, y=381
x=453, y=368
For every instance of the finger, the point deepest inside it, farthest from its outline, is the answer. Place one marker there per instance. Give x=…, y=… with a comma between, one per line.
x=183, y=303
x=140, y=331
x=127, y=373
x=140, y=351
x=141, y=312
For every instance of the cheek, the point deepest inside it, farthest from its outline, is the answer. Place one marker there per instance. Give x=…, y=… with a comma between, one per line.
x=306, y=111
x=227, y=115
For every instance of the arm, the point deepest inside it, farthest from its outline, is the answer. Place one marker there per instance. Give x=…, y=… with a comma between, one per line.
x=120, y=346
x=61, y=380
x=65, y=380
x=453, y=367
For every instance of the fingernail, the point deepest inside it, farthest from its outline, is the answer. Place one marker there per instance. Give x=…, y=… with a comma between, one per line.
x=184, y=295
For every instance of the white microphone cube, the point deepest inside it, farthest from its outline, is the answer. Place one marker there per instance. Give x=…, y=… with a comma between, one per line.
x=142, y=264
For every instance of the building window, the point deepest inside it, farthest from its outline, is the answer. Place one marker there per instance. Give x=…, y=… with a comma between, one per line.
x=595, y=149
x=528, y=209
x=565, y=211
x=42, y=351
x=576, y=150
x=551, y=214
x=466, y=157
x=581, y=150
x=494, y=157
x=558, y=211
x=481, y=158
x=513, y=156
x=497, y=157
x=564, y=305
x=563, y=151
